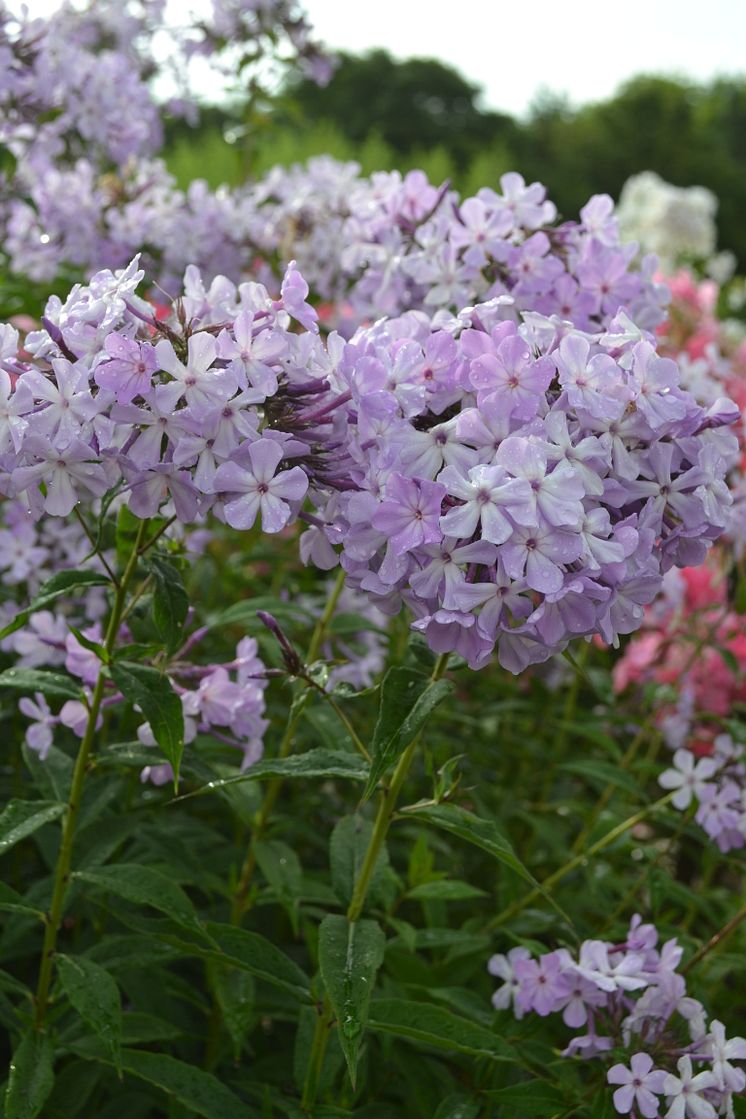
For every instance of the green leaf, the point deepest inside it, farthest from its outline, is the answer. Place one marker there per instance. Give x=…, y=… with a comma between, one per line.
x=11, y=902
x=257, y=955
x=347, y=848
x=350, y=954
x=159, y=703
x=31, y=1077
x=482, y=833
x=444, y=889
x=234, y=991
x=95, y=996
x=458, y=1107
x=407, y=701
x=170, y=602
x=281, y=867
x=63, y=583
x=535, y=1097
x=143, y=885
x=21, y=818
x=51, y=684
x=200, y=1092
x=313, y=763
x=434, y=1025
x=602, y=773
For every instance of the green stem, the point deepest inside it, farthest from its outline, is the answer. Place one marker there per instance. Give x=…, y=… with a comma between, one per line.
x=386, y=809
x=64, y=858
x=577, y=861
x=716, y=940
x=241, y=902
x=320, y=1041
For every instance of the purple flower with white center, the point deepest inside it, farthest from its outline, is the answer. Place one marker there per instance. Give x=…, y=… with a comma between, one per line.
x=442, y=576
x=556, y=494
x=259, y=488
x=543, y=983
x=40, y=734
x=67, y=401
x=488, y=494
x=689, y=776
x=593, y=384
x=684, y=1093
x=625, y=972
x=151, y=423
x=61, y=471
x=655, y=380
x=15, y=404
x=641, y=1084
x=586, y=455
x=512, y=378
x=504, y=968
x=722, y=1051
x=255, y=356
x=410, y=513
x=151, y=489
x=129, y=371
x=425, y=453
x=201, y=383
x=540, y=555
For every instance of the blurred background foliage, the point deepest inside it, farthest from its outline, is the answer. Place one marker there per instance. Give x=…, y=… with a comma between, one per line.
x=388, y=114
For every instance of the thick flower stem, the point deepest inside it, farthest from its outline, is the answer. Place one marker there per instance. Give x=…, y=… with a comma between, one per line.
x=241, y=896
x=64, y=858
x=321, y=1033
x=386, y=809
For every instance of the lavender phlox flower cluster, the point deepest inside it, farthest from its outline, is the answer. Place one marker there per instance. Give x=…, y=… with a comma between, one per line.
x=717, y=783
x=518, y=482
x=630, y=995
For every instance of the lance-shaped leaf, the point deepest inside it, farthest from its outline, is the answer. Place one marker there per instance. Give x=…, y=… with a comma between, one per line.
x=350, y=954
x=254, y=953
x=143, y=885
x=313, y=763
x=20, y=818
x=482, y=833
x=54, y=685
x=407, y=700
x=31, y=1077
x=61, y=584
x=170, y=602
x=437, y=1026
x=95, y=996
x=159, y=703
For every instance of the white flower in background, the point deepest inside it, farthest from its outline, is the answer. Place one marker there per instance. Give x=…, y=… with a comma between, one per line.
x=673, y=222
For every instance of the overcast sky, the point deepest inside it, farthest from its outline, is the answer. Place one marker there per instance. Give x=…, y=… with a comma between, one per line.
x=513, y=50
x=583, y=48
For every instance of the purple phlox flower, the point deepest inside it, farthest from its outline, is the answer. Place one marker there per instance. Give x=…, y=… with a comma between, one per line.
x=80, y=661
x=581, y=994
x=410, y=513
x=598, y=218
x=451, y=631
x=641, y=937
x=254, y=356
x=622, y=971
x=152, y=422
x=594, y=384
x=67, y=401
x=504, y=968
x=483, y=428
x=656, y=382
x=534, y=265
x=507, y=602
x=587, y=1046
x=573, y=609
x=41, y=641
x=684, y=1093
x=689, y=776
x=488, y=495
x=556, y=494
x=640, y=1086
x=424, y=453
x=20, y=553
x=543, y=983
x=40, y=734
x=604, y=543
x=480, y=231
x=129, y=372
x=15, y=404
x=722, y=1051
x=660, y=489
x=197, y=449
x=526, y=204
x=74, y=714
x=293, y=294
x=201, y=384
x=588, y=456
x=150, y=489
x=215, y=700
x=603, y=272
x=539, y=554
x=61, y=470
x=260, y=488
x=512, y=378
x=442, y=576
